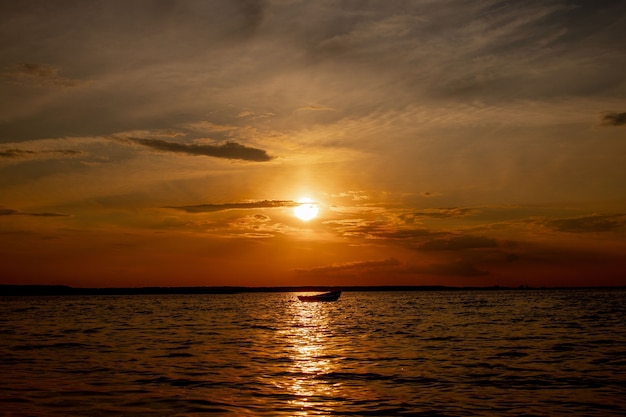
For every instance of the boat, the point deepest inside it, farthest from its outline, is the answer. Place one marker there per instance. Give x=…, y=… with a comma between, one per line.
x=327, y=296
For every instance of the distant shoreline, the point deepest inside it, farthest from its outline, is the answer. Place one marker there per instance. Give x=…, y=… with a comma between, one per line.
x=56, y=290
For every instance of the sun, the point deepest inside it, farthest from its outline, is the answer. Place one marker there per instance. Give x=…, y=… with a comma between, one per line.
x=306, y=209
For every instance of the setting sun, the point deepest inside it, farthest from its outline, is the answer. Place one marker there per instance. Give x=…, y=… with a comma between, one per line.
x=307, y=209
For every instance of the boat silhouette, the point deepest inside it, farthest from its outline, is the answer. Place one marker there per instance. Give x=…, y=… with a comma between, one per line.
x=327, y=296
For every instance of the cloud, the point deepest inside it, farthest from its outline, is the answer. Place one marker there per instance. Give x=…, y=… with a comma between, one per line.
x=228, y=150
x=39, y=75
x=353, y=195
x=252, y=13
x=437, y=213
x=458, y=268
x=26, y=154
x=460, y=243
x=360, y=228
x=46, y=214
x=16, y=153
x=253, y=221
x=255, y=226
x=588, y=224
x=210, y=208
x=11, y=212
x=207, y=126
x=614, y=119
x=349, y=267
x=249, y=114
x=316, y=107
x=403, y=233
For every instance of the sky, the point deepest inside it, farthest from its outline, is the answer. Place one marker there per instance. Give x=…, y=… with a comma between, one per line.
x=442, y=142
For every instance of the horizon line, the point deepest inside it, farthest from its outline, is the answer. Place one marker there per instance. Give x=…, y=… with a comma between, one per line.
x=60, y=289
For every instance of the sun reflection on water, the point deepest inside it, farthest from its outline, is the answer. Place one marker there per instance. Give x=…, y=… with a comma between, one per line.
x=311, y=356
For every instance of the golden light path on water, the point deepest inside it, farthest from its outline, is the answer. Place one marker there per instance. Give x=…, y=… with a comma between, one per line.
x=311, y=357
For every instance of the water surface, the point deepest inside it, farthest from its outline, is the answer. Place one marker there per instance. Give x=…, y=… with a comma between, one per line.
x=474, y=353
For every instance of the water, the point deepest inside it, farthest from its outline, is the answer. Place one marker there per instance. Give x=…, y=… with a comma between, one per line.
x=476, y=353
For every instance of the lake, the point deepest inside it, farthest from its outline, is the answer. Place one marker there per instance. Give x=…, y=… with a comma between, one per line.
x=431, y=353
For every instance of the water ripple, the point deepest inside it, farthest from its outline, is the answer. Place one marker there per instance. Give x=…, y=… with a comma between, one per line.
x=491, y=353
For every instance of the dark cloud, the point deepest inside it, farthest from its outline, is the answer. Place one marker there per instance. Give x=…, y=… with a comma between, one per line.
x=403, y=233
x=379, y=229
x=458, y=268
x=376, y=230
x=46, y=214
x=8, y=212
x=437, y=213
x=11, y=212
x=228, y=150
x=25, y=154
x=39, y=75
x=460, y=243
x=209, y=208
x=588, y=224
x=349, y=266
x=446, y=212
x=16, y=153
x=544, y=32
x=252, y=13
x=614, y=119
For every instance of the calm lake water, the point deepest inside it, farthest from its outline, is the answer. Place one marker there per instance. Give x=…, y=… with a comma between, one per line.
x=475, y=353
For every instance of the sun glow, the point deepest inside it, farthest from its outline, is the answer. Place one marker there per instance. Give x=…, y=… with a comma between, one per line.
x=306, y=210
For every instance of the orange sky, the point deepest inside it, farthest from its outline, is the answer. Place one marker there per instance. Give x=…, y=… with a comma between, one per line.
x=444, y=143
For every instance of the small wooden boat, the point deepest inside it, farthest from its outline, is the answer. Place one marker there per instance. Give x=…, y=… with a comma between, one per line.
x=327, y=296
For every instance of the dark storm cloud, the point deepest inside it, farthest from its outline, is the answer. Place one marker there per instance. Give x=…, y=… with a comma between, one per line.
x=588, y=224
x=349, y=267
x=11, y=212
x=228, y=150
x=460, y=243
x=209, y=208
x=614, y=119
